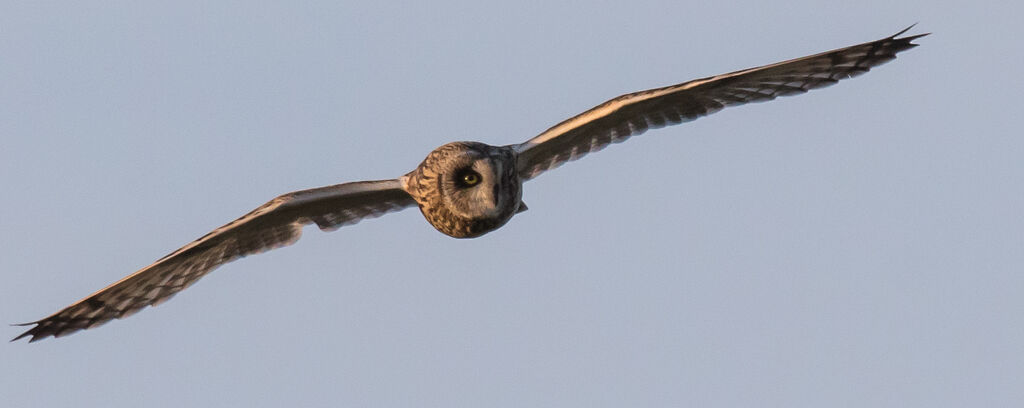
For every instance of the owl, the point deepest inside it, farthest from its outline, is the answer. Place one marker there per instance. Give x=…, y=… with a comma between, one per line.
x=463, y=189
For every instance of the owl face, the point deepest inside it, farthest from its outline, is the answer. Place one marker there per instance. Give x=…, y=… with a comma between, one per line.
x=471, y=185
x=466, y=189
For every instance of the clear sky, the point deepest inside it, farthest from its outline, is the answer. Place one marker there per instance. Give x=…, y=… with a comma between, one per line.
x=860, y=245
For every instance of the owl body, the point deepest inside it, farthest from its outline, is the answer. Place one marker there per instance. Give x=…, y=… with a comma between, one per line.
x=463, y=189
x=467, y=189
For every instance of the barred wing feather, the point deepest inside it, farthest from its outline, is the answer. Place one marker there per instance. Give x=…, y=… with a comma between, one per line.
x=275, y=224
x=632, y=114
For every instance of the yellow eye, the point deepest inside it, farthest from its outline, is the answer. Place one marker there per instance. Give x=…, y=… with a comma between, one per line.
x=467, y=178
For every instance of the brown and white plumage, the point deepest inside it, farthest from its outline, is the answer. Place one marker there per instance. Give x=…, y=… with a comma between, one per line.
x=464, y=189
x=275, y=224
x=632, y=114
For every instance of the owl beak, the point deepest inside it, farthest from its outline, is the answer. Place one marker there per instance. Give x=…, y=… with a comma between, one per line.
x=522, y=207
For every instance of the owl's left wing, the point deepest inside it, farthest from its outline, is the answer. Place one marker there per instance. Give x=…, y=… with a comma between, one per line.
x=275, y=224
x=632, y=114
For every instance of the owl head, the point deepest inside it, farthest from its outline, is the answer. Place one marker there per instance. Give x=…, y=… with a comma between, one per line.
x=466, y=189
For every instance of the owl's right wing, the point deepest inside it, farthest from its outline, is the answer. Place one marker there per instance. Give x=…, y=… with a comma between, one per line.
x=632, y=114
x=275, y=224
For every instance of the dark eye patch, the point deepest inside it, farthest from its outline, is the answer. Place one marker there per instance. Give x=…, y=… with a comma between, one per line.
x=467, y=178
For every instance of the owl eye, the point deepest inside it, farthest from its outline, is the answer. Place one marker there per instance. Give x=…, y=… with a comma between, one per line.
x=468, y=178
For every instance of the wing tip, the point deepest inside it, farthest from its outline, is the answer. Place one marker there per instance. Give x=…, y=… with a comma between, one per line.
x=34, y=332
x=908, y=39
x=52, y=328
x=44, y=330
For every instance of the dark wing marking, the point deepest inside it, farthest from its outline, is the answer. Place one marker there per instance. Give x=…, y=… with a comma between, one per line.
x=273, y=225
x=632, y=114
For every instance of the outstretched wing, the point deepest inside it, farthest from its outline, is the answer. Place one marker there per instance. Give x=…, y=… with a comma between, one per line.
x=275, y=224
x=632, y=114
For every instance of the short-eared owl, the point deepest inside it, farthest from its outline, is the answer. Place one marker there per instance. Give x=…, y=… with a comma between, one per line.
x=463, y=189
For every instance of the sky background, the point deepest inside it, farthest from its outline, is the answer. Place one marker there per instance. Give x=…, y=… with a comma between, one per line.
x=856, y=246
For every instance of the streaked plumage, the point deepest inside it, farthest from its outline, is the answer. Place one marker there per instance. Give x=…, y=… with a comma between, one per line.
x=464, y=189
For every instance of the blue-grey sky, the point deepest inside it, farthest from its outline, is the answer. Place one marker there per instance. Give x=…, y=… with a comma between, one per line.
x=860, y=245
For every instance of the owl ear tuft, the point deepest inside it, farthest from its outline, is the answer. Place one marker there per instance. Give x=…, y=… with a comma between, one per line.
x=522, y=207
